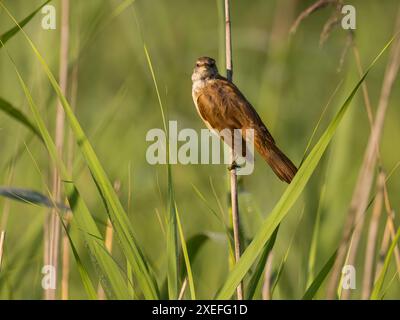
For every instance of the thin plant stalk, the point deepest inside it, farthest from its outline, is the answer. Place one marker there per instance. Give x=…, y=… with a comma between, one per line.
x=392, y=229
x=389, y=234
x=266, y=290
x=372, y=237
x=183, y=289
x=361, y=192
x=55, y=224
x=70, y=162
x=383, y=250
x=233, y=176
x=390, y=225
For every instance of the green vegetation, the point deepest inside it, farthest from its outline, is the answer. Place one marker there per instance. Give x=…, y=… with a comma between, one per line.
x=133, y=230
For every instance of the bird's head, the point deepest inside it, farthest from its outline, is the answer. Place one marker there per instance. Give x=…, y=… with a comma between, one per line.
x=205, y=68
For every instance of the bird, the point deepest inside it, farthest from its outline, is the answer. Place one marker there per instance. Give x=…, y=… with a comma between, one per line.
x=221, y=105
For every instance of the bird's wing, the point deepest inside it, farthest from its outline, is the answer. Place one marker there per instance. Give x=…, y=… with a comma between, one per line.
x=223, y=106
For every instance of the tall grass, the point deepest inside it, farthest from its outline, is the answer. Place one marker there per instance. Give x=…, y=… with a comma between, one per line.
x=186, y=257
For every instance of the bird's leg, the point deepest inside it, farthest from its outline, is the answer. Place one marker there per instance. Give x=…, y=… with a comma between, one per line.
x=233, y=166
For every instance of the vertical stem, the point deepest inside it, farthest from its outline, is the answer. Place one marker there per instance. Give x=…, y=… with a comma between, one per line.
x=55, y=228
x=233, y=177
x=372, y=237
x=228, y=42
x=266, y=290
x=66, y=260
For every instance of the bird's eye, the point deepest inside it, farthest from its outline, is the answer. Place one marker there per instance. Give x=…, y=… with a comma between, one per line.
x=197, y=64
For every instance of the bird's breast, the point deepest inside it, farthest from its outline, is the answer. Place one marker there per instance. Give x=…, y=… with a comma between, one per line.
x=197, y=89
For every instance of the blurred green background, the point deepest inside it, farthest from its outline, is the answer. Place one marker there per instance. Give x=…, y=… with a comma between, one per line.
x=288, y=79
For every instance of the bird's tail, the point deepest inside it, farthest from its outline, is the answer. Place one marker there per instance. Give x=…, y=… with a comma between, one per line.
x=278, y=161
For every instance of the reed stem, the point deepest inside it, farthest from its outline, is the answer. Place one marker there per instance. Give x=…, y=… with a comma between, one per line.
x=233, y=176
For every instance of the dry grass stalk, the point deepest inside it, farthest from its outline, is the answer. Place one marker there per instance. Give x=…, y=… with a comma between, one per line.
x=55, y=225
x=183, y=289
x=364, y=86
x=390, y=229
x=372, y=238
x=266, y=290
x=362, y=190
x=331, y=23
x=70, y=159
x=304, y=14
x=389, y=235
x=233, y=176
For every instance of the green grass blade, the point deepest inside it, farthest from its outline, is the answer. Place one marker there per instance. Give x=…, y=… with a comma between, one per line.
x=376, y=291
x=319, y=279
x=259, y=270
x=13, y=31
x=286, y=256
x=172, y=242
x=315, y=237
x=193, y=246
x=118, y=216
x=172, y=232
x=17, y=115
x=289, y=197
x=30, y=197
x=186, y=256
x=82, y=218
x=87, y=283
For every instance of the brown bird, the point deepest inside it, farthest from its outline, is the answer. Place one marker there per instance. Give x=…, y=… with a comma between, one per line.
x=221, y=105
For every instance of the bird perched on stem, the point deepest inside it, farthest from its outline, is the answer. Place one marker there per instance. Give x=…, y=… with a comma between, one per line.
x=222, y=106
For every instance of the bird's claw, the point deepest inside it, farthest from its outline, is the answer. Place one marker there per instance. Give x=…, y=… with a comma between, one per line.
x=233, y=166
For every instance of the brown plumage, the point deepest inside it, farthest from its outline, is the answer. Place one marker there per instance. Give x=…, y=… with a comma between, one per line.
x=221, y=105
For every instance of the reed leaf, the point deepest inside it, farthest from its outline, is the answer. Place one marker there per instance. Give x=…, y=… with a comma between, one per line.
x=117, y=215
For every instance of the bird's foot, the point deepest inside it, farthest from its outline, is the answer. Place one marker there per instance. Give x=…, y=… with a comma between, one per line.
x=233, y=166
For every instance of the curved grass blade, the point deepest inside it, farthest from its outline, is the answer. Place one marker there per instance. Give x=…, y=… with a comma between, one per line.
x=319, y=279
x=256, y=278
x=289, y=197
x=31, y=197
x=376, y=292
x=13, y=31
x=315, y=236
x=111, y=275
x=186, y=256
x=16, y=114
x=118, y=216
x=87, y=283
x=172, y=232
x=286, y=256
x=193, y=246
